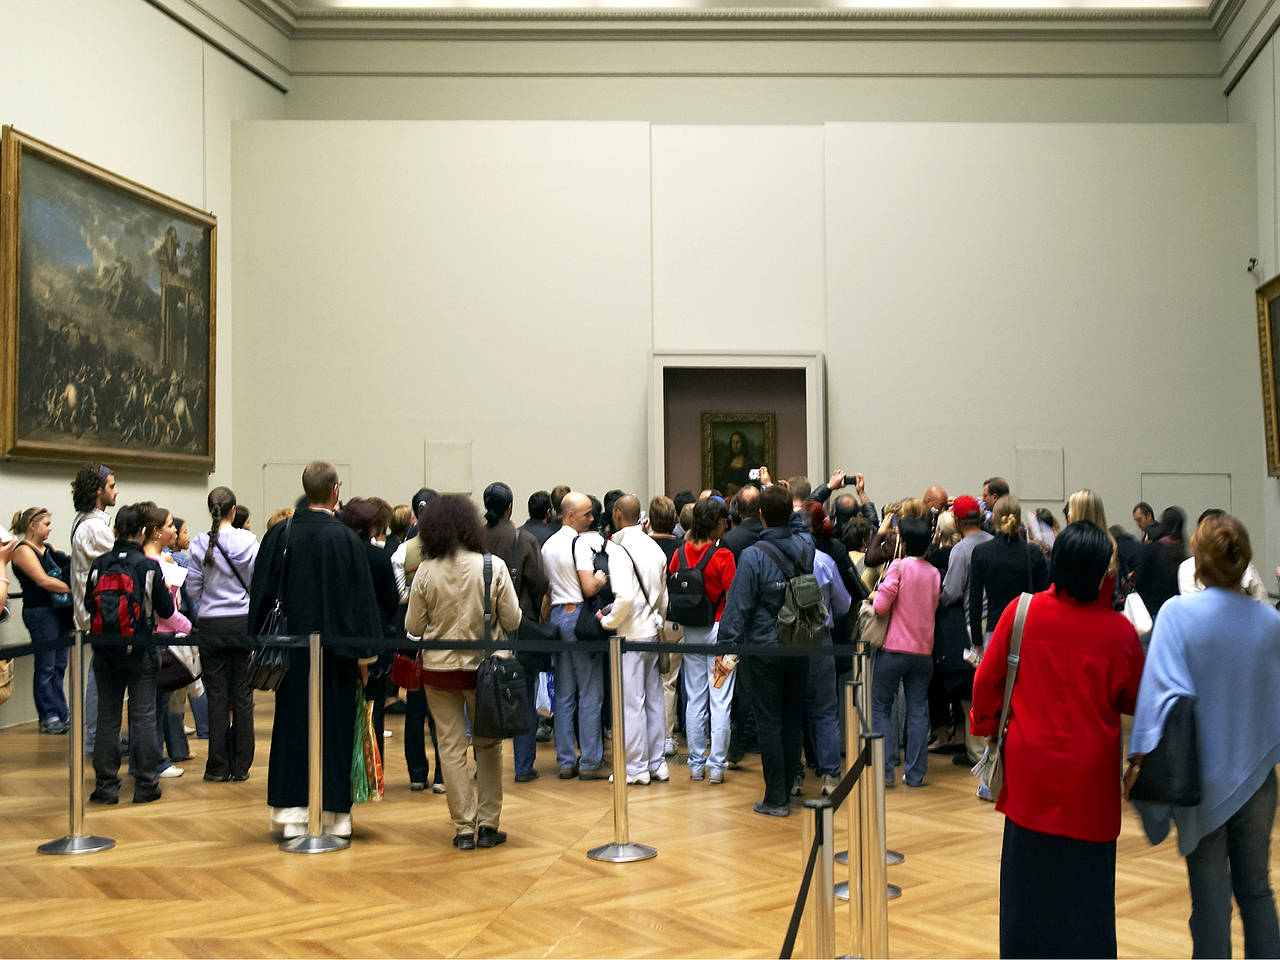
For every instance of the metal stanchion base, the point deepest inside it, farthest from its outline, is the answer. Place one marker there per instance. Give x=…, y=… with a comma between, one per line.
x=895, y=891
x=842, y=890
x=622, y=852
x=892, y=858
x=324, y=843
x=76, y=845
x=842, y=856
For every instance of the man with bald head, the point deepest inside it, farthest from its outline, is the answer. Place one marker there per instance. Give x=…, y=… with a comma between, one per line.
x=567, y=562
x=638, y=567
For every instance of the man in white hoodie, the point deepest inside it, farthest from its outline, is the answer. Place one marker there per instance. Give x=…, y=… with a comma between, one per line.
x=637, y=570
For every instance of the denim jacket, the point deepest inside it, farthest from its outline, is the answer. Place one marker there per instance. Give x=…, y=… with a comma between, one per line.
x=755, y=596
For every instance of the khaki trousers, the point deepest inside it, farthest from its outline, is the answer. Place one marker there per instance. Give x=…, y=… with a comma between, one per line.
x=472, y=803
x=670, y=694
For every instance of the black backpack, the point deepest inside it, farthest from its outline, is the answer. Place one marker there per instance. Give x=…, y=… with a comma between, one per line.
x=687, y=600
x=115, y=595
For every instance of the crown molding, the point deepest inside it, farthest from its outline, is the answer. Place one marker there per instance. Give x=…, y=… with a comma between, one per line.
x=241, y=30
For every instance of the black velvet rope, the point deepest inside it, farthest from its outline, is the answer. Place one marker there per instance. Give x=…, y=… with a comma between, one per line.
x=369, y=645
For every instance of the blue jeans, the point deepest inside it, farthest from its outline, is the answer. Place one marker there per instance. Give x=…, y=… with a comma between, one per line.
x=704, y=703
x=913, y=671
x=50, y=665
x=200, y=715
x=822, y=715
x=1236, y=858
x=579, y=695
x=524, y=748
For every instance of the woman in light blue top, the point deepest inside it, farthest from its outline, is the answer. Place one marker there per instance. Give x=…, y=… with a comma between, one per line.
x=1222, y=648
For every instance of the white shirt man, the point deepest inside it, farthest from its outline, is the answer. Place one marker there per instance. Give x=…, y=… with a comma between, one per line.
x=93, y=490
x=638, y=571
x=579, y=676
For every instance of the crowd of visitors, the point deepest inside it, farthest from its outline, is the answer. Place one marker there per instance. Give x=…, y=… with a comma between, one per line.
x=775, y=562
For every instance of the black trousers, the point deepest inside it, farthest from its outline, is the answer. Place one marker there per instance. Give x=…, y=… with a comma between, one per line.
x=417, y=716
x=116, y=672
x=1057, y=895
x=778, y=685
x=226, y=682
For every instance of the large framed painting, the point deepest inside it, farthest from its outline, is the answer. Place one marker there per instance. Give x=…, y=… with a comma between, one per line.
x=733, y=445
x=1268, y=298
x=107, y=315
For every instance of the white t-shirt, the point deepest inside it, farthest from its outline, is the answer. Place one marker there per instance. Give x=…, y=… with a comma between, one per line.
x=562, y=569
x=1251, y=583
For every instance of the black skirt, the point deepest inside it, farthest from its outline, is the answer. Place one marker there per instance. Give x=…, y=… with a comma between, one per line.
x=1057, y=895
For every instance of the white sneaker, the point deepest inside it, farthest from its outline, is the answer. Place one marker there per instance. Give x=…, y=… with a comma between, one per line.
x=829, y=785
x=171, y=773
x=669, y=748
x=717, y=775
x=189, y=731
x=662, y=774
x=639, y=780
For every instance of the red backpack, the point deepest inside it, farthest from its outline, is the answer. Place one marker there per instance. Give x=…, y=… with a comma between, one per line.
x=115, y=593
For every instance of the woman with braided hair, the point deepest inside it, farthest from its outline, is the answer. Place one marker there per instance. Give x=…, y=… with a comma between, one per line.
x=219, y=575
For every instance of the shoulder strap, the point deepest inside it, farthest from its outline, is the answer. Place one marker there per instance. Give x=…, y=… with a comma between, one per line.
x=488, y=606
x=787, y=568
x=682, y=560
x=234, y=572
x=640, y=580
x=706, y=557
x=284, y=566
x=1015, y=650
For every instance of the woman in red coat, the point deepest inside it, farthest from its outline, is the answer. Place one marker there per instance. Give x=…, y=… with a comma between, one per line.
x=1079, y=669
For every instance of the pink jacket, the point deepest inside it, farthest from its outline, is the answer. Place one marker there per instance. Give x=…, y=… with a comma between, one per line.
x=910, y=590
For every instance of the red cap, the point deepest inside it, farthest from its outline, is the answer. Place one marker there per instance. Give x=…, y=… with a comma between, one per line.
x=967, y=508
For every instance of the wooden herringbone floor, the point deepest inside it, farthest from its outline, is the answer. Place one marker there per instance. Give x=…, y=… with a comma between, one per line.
x=198, y=875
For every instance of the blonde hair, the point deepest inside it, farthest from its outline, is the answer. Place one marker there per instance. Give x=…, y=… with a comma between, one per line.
x=1084, y=504
x=284, y=513
x=23, y=519
x=1006, y=515
x=913, y=507
x=948, y=534
x=401, y=520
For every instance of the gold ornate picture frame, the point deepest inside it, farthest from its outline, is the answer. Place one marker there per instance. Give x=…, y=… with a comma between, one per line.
x=733, y=444
x=107, y=315
x=1268, y=301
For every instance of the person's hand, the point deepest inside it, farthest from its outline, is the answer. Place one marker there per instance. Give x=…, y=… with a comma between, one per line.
x=1131, y=775
x=600, y=577
x=887, y=523
x=837, y=480
x=766, y=478
x=860, y=485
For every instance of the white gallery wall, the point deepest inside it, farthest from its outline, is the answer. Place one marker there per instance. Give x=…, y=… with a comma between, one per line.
x=975, y=288
x=124, y=86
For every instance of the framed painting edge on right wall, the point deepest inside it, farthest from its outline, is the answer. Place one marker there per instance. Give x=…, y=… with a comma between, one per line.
x=1269, y=364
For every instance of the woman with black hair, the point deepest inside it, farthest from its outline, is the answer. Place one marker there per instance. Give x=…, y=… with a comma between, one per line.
x=218, y=577
x=1156, y=578
x=447, y=602
x=1079, y=668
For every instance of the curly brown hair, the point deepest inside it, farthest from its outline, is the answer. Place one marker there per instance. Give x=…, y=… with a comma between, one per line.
x=450, y=522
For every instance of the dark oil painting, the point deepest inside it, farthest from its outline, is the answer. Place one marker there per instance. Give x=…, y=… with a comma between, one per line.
x=114, y=321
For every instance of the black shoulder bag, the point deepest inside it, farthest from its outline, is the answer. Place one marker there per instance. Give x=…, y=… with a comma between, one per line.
x=1171, y=772
x=269, y=663
x=502, y=698
x=587, y=628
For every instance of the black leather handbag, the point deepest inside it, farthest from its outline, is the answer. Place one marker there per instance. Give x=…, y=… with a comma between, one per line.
x=1171, y=772
x=502, y=698
x=269, y=663
x=587, y=628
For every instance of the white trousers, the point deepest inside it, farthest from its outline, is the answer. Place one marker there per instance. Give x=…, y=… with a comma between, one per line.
x=643, y=709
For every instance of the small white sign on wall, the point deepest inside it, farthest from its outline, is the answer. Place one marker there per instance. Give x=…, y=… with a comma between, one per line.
x=1038, y=473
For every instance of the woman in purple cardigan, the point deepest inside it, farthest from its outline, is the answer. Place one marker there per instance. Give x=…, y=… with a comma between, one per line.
x=909, y=596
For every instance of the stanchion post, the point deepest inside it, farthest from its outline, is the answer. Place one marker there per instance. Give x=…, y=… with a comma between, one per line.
x=876, y=911
x=621, y=850
x=77, y=841
x=316, y=840
x=851, y=888
x=821, y=925
x=863, y=673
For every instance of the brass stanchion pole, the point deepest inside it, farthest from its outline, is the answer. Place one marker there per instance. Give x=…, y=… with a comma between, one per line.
x=821, y=925
x=849, y=890
x=622, y=850
x=76, y=840
x=876, y=902
x=316, y=840
x=864, y=673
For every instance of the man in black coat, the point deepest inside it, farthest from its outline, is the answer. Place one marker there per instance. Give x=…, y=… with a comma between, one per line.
x=319, y=567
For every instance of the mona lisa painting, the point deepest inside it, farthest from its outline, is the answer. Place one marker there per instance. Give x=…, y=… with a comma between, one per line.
x=734, y=444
